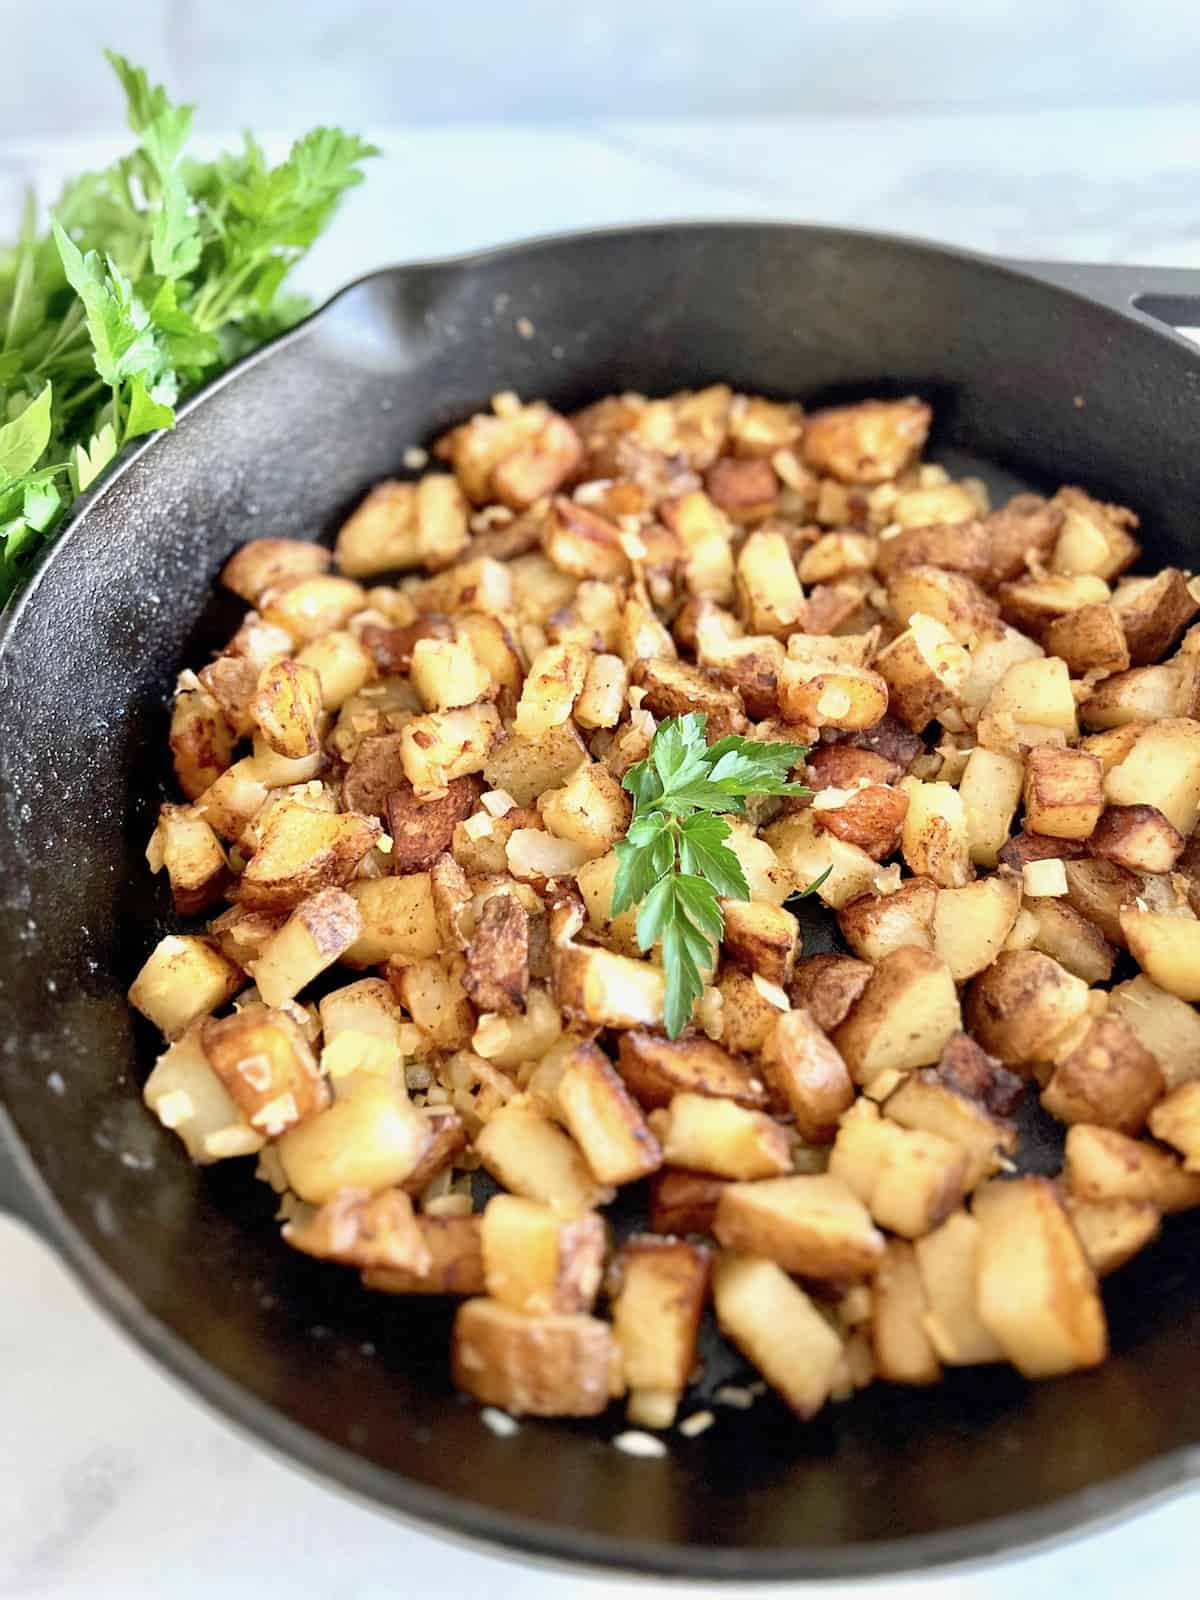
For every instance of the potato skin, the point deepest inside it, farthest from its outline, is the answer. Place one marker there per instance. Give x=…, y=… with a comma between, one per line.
x=1021, y=1003
x=827, y=985
x=422, y=830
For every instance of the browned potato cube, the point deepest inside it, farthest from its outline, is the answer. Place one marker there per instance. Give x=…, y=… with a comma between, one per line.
x=1153, y=613
x=827, y=985
x=908, y=1179
x=823, y=695
x=720, y=1137
x=398, y=919
x=302, y=850
x=308, y=607
x=948, y=1260
x=444, y=745
x=553, y=1366
x=871, y=817
x=809, y=854
x=370, y=1138
x=201, y=741
x=904, y=1352
x=812, y=1225
x=1028, y=526
x=927, y=1101
x=778, y=1329
x=1167, y=948
x=186, y=1095
x=266, y=563
x=287, y=708
x=359, y=1229
x=971, y=924
x=1032, y=603
x=952, y=546
x=955, y=600
x=595, y=986
x=1064, y=934
x=746, y=490
x=532, y=1157
x=1099, y=890
x=1112, y=1231
x=1109, y=1078
x=1090, y=639
x=926, y=671
x=1064, y=792
x=454, y=1246
x=763, y=938
x=536, y=1261
x=935, y=839
x=447, y=1139
x=318, y=932
x=1176, y=1121
x=748, y=1009
x=422, y=829
x=1162, y=769
x=770, y=598
x=190, y=851
x=183, y=978
x=808, y=1074
x=1022, y=1003
x=1102, y=1164
x=604, y=1119
x=658, y=1294
x=1138, y=838
x=904, y=1017
x=868, y=442
x=1094, y=536
x=497, y=975
x=267, y=1065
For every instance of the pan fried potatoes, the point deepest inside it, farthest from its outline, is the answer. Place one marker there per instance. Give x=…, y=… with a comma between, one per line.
x=410, y=1000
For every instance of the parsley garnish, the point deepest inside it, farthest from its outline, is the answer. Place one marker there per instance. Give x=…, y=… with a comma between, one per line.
x=156, y=273
x=674, y=861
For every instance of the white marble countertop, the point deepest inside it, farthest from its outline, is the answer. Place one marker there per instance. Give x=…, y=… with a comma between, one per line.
x=114, y=1482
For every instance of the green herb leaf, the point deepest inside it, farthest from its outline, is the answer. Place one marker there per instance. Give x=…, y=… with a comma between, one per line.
x=702, y=851
x=24, y=439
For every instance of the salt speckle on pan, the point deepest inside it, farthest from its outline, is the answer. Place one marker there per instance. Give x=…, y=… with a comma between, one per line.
x=501, y=1424
x=635, y=1443
x=56, y=1083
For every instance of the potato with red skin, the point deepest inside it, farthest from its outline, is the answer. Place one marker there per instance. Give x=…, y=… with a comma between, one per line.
x=844, y=766
x=1153, y=613
x=871, y=818
x=497, y=975
x=964, y=547
x=422, y=830
x=746, y=490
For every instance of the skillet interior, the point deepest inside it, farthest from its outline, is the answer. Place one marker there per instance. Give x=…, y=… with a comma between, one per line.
x=1047, y=386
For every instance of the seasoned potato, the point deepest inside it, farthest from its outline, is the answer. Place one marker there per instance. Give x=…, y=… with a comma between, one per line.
x=953, y=547
x=809, y=853
x=187, y=1096
x=358, y=1229
x=1153, y=613
x=808, y=1075
x=595, y=986
x=1060, y=931
x=1163, y=770
x=1112, y=1231
x=604, y=1119
x=1169, y=1028
x=590, y=809
x=1037, y=1291
x=1167, y=948
x=433, y=992
x=951, y=598
x=778, y=1329
x=398, y=919
x=770, y=598
x=1139, y=838
x=948, y=1263
x=911, y=983
x=1176, y=1121
x=909, y=1179
x=1094, y=537
x=935, y=840
x=868, y=442
x=527, y=768
x=658, y=1291
x=971, y=924
x=308, y=607
x=682, y=1201
x=1103, y=1164
x=602, y=698
x=720, y=1137
x=301, y=851
x=1090, y=639
x=1021, y=1003
x=821, y=695
x=1109, y=1078
x=454, y=1248
x=1027, y=527
x=1033, y=603
x=497, y=975
x=370, y=1139
x=516, y=456
x=536, y=1261
x=704, y=532
x=264, y=564
x=928, y=1101
x=655, y=1069
x=925, y=669
x=903, y=1348
x=746, y=1009
x=827, y=986
x=319, y=932
x=268, y=1067
x=761, y=938
x=812, y=1225
x=563, y=1365
x=532, y=1157
x=201, y=741
x=445, y=745
x=876, y=924
x=183, y=978
x=185, y=845
x=1034, y=698
x=1143, y=694
x=1064, y=792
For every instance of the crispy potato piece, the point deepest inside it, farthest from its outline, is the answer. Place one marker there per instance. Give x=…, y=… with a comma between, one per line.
x=604, y=1119
x=286, y=706
x=868, y=442
x=186, y=1095
x=1024, y=848
x=444, y=745
x=925, y=669
x=595, y=986
x=1163, y=770
x=938, y=502
x=527, y=768
x=342, y=663
x=1098, y=890
x=827, y=986
x=904, y=1351
x=398, y=920
x=1176, y=1121
x=1112, y=1231
x=836, y=555
x=1138, y=837
x=241, y=934
x=656, y=1069
x=991, y=657
x=846, y=766
x=532, y=1157
x=906, y=1014
x=723, y=1138
x=908, y=1179
x=706, y=536
x=391, y=649
x=807, y=852
x=195, y=863
x=404, y=525
x=805, y=1070
x=745, y=489
x=1153, y=613
x=760, y=427
x=659, y=1287
x=1143, y=694
x=746, y=1010
x=582, y=543
x=970, y=1071
x=455, y=1251
x=511, y=1042
x=1064, y=792
x=821, y=695
x=1065, y=934
x=602, y=698
x=591, y=809
x=876, y=924
x=358, y=1229
x=1167, y=948
x=929, y=1101
x=934, y=839
x=432, y=992
x=813, y=1226
x=1102, y=1164
x=264, y=564
x=778, y=1329
x=1032, y=704
x=953, y=547
x=319, y=931
x=1033, y=603
x=1090, y=639
x=201, y=741
x=376, y=771
x=761, y=938
x=447, y=674
x=516, y=456
x=1021, y=1004
x=552, y=685
x=563, y=1365
x=970, y=924
x=536, y=1261
x=448, y=1139
x=301, y=851
x=1094, y=536
x=1168, y=1027
x=309, y=607
x=370, y=1138
x=672, y=688
x=1026, y=528
x=947, y=1261
x=184, y=977
x=497, y=975
x=770, y=598
x=953, y=599
x=682, y=1201
x=1037, y=1292
x=268, y=1067
x=1109, y=1078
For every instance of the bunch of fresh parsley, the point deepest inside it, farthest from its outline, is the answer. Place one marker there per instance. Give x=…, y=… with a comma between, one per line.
x=156, y=273
x=674, y=860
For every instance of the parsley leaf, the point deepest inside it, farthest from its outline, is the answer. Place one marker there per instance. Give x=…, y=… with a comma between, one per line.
x=674, y=862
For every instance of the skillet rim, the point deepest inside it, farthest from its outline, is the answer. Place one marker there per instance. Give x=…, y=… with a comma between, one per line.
x=24, y=1189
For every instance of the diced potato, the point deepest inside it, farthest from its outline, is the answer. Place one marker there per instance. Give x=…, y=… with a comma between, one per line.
x=342, y=663
x=497, y=975
x=602, y=698
x=971, y=924
x=991, y=658
x=762, y=938
x=1176, y=1121
x=447, y=675
x=1112, y=1231
x=778, y=1329
x=454, y=1248
x=445, y=745
x=953, y=546
x=1060, y=931
x=1099, y=890
x=233, y=799
x=605, y=1120
x=1022, y=1003
x=660, y=1286
x=769, y=881
x=745, y=1010
x=1162, y=770
x=673, y=688
x=808, y=853
x=536, y=1261
x=1094, y=536
x=723, y=1138
x=827, y=985
x=951, y=598
x=268, y=1067
x=876, y=924
x=704, y=531
x=925, y=1102
x=510, y=1042
x=1167, y=1026
x=595, y=986
x=1064, y=792
x=564, y=1365
x=309, y=607
x=358, y=1229
x=423, y=827
x=1027, y=527
x=820, y=695
x=868, y=442
x=582, y=543
x=1037, y=1291
x=1154, y=612
x=532, y=1157
x=682, y=1201
x=1143, y=694
x=201, y=741
x=1109, y=1078
x=1090, y=639
x=319, y=931
x=590, y=809
x=371, y=1139
x=812, y=1225
x=807, y=1073
x=527, y=768
x=554, y=682
x=948, y=1263
x=190, y=851
x=770, y=598
x=1167, y=948
x=1036, y=695
x=302, y=850
x=1137, y=837
x=183, y=978
x=908, y=1179
x=186, y=1096
x=595, y=880
x=655, y=1069
x=934, y=839
x=904, y=1017
x=287, y=708
x=1102, y=1164
x=263, y=564
x=926, y=670
x=433, y=994
x=871, y=817
x=398, y=920
x=904, y=1350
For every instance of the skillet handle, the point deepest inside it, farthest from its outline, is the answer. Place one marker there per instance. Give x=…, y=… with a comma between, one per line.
x=1163, y=295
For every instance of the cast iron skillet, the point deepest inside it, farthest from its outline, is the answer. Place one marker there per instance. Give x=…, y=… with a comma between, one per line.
x=1070, y=379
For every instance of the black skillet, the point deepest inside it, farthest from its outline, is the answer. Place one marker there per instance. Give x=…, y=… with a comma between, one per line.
x=1047, y=374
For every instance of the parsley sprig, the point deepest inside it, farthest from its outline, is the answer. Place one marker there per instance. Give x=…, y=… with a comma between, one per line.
x=674, y=861
x=155, y=274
